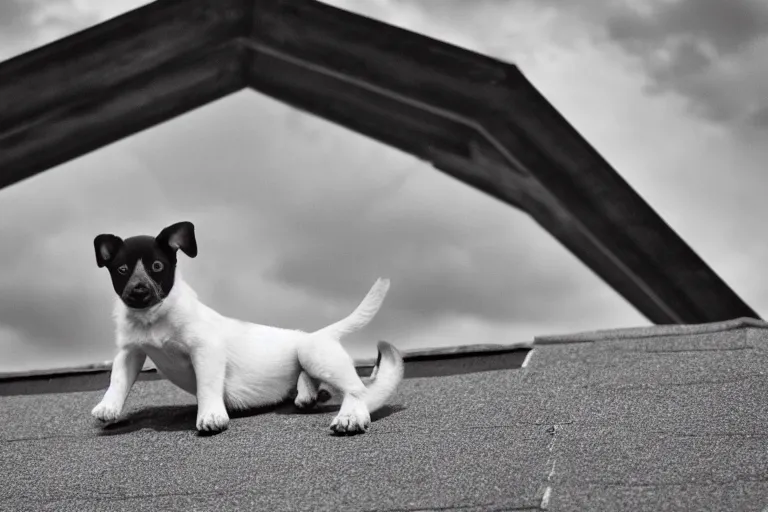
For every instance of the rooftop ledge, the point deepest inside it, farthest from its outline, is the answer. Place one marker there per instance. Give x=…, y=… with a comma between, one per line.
x=427, y=362
x=468, y=351
x=484, y=352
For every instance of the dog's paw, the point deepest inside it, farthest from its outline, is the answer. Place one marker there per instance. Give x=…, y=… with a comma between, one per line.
x=106, y=412
x=305, y=402
x=212, y=421
x=354, y=422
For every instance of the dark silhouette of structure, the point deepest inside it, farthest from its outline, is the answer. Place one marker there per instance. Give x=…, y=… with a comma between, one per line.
x=473, y=117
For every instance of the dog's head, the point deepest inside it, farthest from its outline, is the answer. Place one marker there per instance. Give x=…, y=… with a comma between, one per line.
x=143, y=267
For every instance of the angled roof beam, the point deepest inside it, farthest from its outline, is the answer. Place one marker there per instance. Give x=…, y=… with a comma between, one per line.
x=481, y=121
x=84, y=91
x=473, y=117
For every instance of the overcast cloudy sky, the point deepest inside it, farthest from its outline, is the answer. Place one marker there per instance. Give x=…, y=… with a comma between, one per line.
x=296, y=217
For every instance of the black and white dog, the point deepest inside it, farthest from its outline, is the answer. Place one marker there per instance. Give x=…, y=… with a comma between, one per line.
x=228, y=363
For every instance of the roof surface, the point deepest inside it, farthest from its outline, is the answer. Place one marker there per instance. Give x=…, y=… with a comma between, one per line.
x=669, y=418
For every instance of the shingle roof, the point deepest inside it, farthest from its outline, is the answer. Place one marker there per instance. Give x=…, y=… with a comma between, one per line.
x=606, y=422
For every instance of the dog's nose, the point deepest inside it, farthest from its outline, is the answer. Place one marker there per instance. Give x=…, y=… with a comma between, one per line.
x=140, y=291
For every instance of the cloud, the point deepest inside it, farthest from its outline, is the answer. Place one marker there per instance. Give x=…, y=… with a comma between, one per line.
x=506, y=29
x=329, y=224
x=729, y=27
x=26, y=24
x=709, y=51
x=48, y=292
x=759, y=117
x=595, y=62
x=295, y=218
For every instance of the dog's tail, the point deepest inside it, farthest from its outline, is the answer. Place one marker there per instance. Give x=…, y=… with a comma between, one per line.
x=362, y=315
x=385, y=378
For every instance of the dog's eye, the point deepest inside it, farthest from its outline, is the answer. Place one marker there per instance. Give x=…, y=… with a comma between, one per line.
x=157, y=266
x=122, y=269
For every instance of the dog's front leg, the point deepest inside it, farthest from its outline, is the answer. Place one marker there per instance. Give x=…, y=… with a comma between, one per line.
x=125, y=368
x=210, y=364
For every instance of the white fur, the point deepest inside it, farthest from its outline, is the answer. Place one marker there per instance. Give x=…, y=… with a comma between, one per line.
x=231, y=364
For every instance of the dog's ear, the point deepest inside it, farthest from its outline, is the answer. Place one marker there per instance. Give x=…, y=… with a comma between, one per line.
x=179, y=236
x=106, y=247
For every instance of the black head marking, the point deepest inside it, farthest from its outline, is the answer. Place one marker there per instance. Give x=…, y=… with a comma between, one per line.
x=143, y=267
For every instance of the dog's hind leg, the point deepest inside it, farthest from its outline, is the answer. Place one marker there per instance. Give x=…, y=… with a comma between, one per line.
x=324, y=358
x=306, y=387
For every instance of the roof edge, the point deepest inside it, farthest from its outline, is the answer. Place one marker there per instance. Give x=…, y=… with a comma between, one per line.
x=408, y=355
x=651, y=331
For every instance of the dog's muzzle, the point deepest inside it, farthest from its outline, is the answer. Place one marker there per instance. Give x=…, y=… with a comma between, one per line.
x=141, y=291
x=139, y=296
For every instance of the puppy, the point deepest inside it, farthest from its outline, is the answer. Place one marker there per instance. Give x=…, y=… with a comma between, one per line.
x=228, y=364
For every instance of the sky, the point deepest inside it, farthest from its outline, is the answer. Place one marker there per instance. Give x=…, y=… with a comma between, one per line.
x=296, y=217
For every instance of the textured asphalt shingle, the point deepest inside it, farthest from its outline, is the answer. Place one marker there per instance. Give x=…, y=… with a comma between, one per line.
x=644, y=422
x=659, y=422
x=441, y=443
